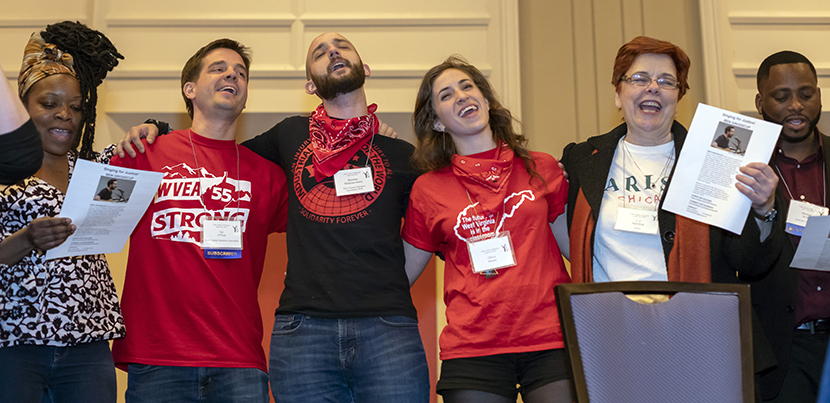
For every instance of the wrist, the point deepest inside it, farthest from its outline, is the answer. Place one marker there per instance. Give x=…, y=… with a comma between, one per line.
x=27, y=236
x=768, y=216
x=163, y=127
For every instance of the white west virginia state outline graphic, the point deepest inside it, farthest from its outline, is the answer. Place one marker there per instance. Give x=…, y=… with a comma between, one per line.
x=184, y=184
x=524, y=195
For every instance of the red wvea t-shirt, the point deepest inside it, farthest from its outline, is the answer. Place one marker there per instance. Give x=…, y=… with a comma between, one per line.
x=515, y=311
x=181, y=309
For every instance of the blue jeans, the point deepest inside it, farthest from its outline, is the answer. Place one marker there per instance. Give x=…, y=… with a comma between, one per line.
x=79, y=373
x=158, y=384
x=363, y=360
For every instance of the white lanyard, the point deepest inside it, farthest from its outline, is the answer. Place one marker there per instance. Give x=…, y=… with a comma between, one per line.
x=823, y=182
x=666, y=168
x=355, y=181
x=800, y=211
x=220, y=239
x=490, y=252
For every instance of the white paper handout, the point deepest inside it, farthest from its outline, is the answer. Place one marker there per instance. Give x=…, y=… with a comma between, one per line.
x=814, y=248
x=718, y=143
x=105, y=203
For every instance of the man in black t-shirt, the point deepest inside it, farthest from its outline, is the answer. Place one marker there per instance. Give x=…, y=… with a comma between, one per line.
x=722, y=141
x=346, y=328
x=106, y=193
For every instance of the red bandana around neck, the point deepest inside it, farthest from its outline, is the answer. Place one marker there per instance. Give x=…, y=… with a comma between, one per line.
x=485, y=175
x=335, y=141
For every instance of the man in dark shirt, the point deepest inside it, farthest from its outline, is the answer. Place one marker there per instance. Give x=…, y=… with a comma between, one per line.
x=106, y=193
x=722, y=141
x=346, y=328
x=793, y=304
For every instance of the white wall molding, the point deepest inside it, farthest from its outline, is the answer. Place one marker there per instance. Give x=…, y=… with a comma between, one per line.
x=412, y=72
x=747, y=71
x=35, y=23
x=711, y=18
x=394, y=20
x=232, y=22
x=819, y=18
x=509, y=62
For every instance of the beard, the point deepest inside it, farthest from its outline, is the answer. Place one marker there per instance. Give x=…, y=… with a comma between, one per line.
x=788, y=139
x=329, y=87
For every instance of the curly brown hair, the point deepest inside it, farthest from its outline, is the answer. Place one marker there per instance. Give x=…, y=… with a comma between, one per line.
x=434, y=149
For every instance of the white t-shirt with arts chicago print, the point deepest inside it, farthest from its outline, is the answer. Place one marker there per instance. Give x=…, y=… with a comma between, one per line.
x=637, y=180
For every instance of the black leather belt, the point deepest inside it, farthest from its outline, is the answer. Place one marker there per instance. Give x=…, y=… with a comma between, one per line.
x=818, y=325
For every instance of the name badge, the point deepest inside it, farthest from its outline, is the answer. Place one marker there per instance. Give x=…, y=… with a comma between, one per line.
x=639, y=221
x=798, y=214
x=222, y=239
x=488, y=255
x=353, y=181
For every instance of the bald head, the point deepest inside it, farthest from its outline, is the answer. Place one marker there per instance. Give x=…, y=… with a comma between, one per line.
x=333, y=67
x=323, y=45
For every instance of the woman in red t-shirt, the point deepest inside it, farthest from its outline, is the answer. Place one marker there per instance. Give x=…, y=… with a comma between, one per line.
x=486, y=204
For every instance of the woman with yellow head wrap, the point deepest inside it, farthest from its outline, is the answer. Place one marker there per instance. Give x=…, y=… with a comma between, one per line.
x=56, y=316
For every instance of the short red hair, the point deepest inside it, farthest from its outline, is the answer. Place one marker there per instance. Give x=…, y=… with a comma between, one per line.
x=642, y=45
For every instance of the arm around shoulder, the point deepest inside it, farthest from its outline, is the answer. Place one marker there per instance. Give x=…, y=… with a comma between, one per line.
x=561, y=234
x=566, y=153
x=416, y=261
x=21, y=154
x=265, y=144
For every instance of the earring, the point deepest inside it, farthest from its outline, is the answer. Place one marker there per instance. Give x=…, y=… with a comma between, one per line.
x=439, y=127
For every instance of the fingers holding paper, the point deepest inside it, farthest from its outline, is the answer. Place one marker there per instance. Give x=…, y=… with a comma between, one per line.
x=46, y=232
x=758, y=183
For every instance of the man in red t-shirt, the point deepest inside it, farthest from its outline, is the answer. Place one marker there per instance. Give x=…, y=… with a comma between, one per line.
x=190, y=294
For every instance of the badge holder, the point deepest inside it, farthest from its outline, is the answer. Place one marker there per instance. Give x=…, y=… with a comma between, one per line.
x=488, y=253
x=353, y=181
x=222, y=239
x=637, y=221
x=798, y=213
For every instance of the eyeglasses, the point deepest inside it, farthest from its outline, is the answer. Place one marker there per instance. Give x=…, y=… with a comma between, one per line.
x=642, y=80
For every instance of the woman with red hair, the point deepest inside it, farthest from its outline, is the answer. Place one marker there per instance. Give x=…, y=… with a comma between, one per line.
x=618, y=231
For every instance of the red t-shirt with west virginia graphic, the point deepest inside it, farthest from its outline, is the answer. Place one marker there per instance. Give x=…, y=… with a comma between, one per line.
x=180, y=308
x=514, y=311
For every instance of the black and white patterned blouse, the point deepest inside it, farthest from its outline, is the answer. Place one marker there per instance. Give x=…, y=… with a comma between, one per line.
x=58, y=302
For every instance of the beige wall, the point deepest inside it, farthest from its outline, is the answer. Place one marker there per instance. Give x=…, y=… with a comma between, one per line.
x=738, y=34
x=567, y=56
